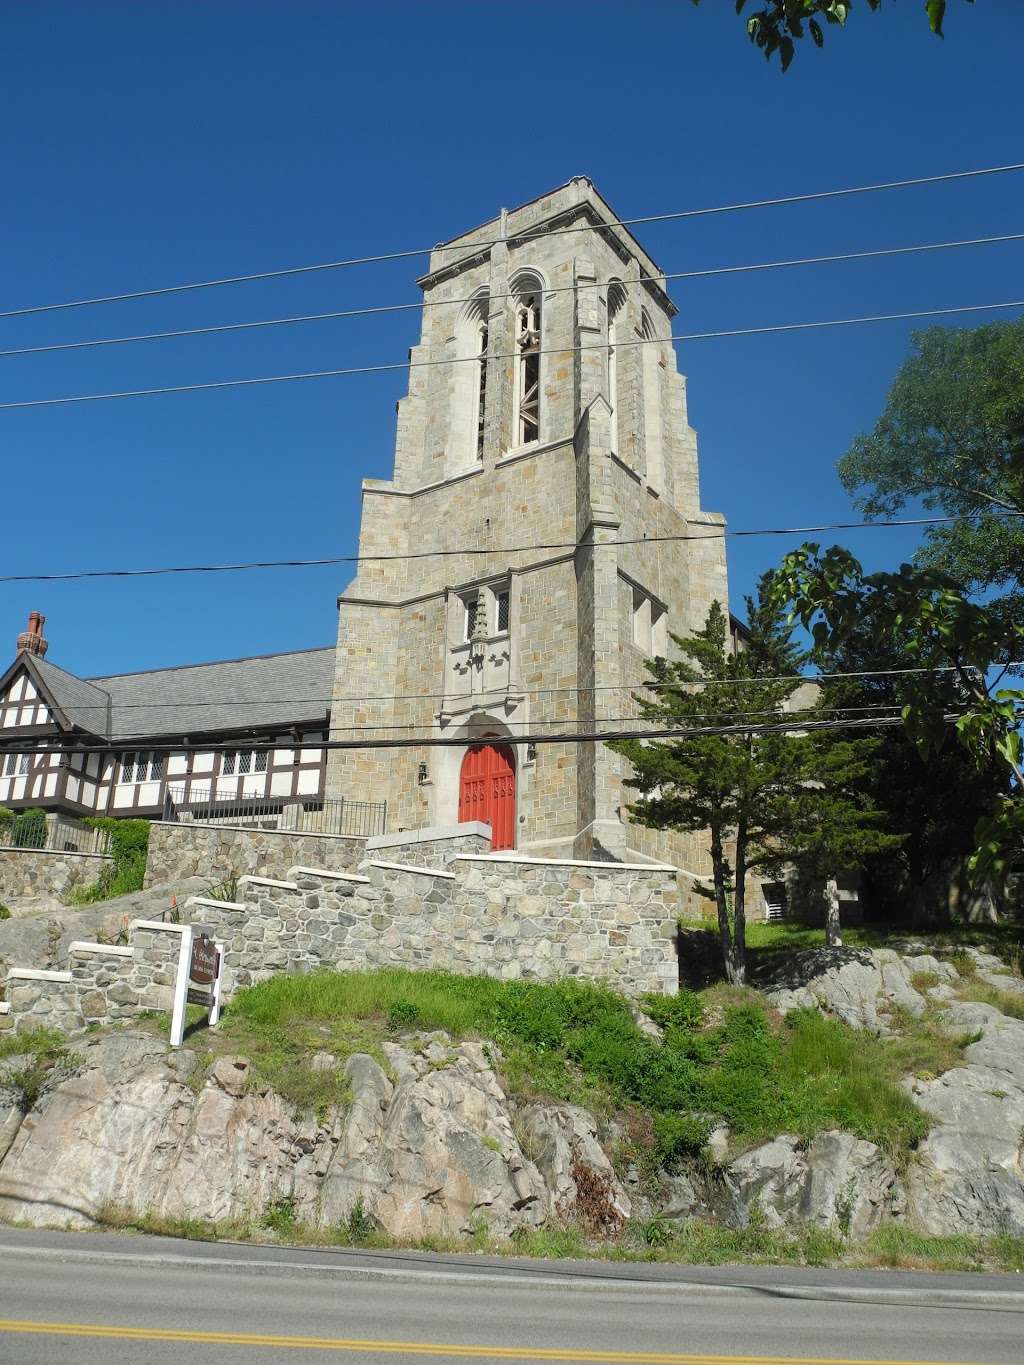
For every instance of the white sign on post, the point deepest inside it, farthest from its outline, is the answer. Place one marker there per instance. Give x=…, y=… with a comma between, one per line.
x=199, y=978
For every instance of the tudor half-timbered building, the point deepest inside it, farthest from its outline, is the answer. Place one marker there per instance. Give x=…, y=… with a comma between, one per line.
x=209, y=739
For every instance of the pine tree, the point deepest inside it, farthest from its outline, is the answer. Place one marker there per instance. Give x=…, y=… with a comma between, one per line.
x=767, y=800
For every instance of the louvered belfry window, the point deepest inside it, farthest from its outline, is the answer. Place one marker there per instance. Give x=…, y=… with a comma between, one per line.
x=528, y=361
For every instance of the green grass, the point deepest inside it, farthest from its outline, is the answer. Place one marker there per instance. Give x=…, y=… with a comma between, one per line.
x=1008, y=1002
x=693, y=1242
x=572, y=1040
x=45, y=1053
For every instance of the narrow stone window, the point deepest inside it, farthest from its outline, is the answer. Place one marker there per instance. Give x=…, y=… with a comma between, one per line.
x=502, y=614
x=650, y=349
x=472, y=605
x=616, y=300
x=481, y=388
x=528, y=339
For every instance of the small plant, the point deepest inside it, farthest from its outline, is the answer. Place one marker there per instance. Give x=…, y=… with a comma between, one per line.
x=402, y=1015
x=964, y=962
x=924, y=981
x=359, y=1224
x=281, y=1217
x=5, y=912
x=227, y=890
x=653, y=1232
x=491, y=1143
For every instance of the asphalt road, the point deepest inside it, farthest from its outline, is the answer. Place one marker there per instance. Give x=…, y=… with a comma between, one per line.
x=96, y=1299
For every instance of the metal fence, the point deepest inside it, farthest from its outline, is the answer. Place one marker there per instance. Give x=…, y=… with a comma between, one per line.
x=312, y=815
x=55, y=833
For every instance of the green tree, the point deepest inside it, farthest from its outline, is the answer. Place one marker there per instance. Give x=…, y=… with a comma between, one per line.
x=952, y=435
x=764, y=796
x=933, y=797
x=779, y=25
x=969, y=647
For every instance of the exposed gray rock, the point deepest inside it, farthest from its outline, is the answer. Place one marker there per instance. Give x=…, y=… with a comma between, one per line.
x=678, y=1197
x=433, y=1155
x=860, y=986
x=968, y=1174
x=837, y=1181
x=562, y=1139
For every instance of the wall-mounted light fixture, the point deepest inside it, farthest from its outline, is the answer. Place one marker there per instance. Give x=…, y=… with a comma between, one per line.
x=422, y=774
x=531, y=753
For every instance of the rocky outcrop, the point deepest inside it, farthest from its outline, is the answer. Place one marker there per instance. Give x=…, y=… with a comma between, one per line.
x=428, y=1143
x=865, y=988
x=433, y=1153
x=835, y=1181
x=968, y=1174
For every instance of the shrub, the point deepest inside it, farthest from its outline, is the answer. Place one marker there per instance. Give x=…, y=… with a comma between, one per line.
x=5, y=912
x=28, y=828
x=129, y=844
x=359, y=1225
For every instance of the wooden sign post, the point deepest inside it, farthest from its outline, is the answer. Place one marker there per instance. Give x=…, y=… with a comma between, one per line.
x=198, y=982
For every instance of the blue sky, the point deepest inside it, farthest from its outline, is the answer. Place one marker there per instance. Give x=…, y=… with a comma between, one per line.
x=148, y=144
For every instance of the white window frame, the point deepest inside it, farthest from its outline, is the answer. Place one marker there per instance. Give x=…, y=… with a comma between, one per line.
x=140, y=765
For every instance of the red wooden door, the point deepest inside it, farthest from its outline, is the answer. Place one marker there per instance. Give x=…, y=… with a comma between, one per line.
x=487, y=791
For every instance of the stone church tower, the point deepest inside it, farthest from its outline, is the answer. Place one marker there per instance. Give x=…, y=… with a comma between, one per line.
x=544, y=410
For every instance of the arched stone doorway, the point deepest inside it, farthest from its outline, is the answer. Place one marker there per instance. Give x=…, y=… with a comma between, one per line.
x=487, y=790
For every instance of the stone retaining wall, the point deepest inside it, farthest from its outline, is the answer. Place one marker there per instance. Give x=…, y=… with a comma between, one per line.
x=431, y=847
x=514, y=919
x=42, y=873
x=102, y=983
x=218, y=852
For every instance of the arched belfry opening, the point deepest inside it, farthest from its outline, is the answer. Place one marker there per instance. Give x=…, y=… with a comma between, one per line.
x=467, y=419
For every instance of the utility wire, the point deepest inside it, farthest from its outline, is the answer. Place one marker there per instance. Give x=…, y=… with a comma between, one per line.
x=462, y=245
x=470, y=551
x=380, y=309
x=459, y=741
x=505, y=355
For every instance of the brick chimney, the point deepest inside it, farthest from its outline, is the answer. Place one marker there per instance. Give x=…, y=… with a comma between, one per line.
x=32, y=641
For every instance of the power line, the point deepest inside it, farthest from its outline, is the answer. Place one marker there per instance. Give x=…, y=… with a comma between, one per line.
x=383, y=309
x=505, y=355
x=457, y=741
x=472, y=551
x=519, y=236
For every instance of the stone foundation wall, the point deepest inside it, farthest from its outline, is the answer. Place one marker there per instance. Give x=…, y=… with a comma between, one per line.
x=45, y=873
x=521, y=919
x=218, y=852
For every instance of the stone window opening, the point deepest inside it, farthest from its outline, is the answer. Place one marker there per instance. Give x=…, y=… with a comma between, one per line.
x=651, y=360
x=488, y=608
x=528, y=347
x=650, y=624
x=616, y=302
x=481, y=387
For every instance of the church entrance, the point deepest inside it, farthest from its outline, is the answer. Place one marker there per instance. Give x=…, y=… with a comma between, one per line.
x=487, y=790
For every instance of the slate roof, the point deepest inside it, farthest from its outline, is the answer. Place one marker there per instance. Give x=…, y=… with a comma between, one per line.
x=264, y=692
x=83, y=704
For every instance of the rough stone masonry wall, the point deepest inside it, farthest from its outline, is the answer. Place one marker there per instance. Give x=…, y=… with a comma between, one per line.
x=218, y=851
x=38, y=873
x=513, y=919
x=102, y=982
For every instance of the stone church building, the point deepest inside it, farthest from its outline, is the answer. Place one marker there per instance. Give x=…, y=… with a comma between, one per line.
x=543, y=464
x=543, y=456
